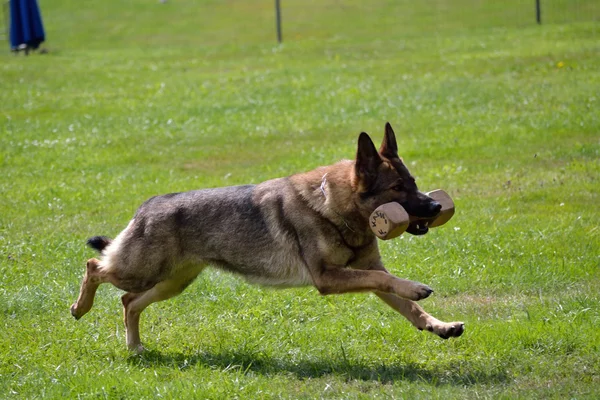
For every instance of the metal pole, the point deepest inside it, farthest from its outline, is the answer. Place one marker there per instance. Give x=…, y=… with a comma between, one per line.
x=538, y=12
x=278, y=18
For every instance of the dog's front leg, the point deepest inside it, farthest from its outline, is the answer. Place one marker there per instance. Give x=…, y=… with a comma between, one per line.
x=420, y=319
x=416, y=315
x=332, y=280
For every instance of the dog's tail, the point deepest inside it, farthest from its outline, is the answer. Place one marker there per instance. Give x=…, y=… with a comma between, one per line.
x=99, y=242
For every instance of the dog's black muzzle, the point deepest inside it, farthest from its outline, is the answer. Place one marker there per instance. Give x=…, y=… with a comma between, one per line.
x=421, y=206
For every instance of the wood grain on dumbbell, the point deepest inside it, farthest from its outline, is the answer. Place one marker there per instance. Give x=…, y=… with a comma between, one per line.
x=390, y=220
x=447, y=210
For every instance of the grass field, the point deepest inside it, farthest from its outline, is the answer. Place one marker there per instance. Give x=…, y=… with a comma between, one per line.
x=141, y=98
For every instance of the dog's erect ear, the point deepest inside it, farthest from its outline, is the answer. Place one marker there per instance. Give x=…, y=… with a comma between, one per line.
x=367, y=159
x=389, y=147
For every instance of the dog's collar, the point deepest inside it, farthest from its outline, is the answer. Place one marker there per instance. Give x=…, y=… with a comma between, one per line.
x=322, y=187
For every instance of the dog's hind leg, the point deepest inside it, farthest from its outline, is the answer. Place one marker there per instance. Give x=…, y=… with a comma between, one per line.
x=135, y=303
x=420, y=319
x=92, y=279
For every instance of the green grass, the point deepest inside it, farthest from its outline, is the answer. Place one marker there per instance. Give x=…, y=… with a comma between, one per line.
x=142, y=98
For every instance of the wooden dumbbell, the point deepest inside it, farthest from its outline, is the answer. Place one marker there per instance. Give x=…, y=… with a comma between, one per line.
x=390, y=220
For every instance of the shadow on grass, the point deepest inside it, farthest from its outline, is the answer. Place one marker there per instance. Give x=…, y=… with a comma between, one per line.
x=464, y=375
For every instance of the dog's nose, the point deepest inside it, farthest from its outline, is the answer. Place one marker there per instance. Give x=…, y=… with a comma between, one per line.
x=435, y=207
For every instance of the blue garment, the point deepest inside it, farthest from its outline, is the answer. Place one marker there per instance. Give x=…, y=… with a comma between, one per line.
x=26, y=26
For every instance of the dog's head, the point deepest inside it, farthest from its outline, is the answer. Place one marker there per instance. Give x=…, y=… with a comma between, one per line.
x=382, y=177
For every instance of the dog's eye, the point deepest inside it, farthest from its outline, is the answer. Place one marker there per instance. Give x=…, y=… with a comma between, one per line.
x=398, y=188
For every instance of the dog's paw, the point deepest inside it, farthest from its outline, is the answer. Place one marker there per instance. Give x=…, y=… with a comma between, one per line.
x=419, y=291
x=136, y=348
x=75, y=312
x=447, y=330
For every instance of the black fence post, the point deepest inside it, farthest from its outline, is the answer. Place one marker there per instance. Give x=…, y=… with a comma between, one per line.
x=538, y=12
x=278, y=18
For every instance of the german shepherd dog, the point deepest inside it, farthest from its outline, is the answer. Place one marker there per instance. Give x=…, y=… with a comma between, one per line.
x=310, y=228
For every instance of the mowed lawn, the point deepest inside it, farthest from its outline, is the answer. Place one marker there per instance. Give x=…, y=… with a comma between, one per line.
x=142, y=98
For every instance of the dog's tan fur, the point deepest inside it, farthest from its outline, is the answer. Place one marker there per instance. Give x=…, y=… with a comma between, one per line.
x=307, y=229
